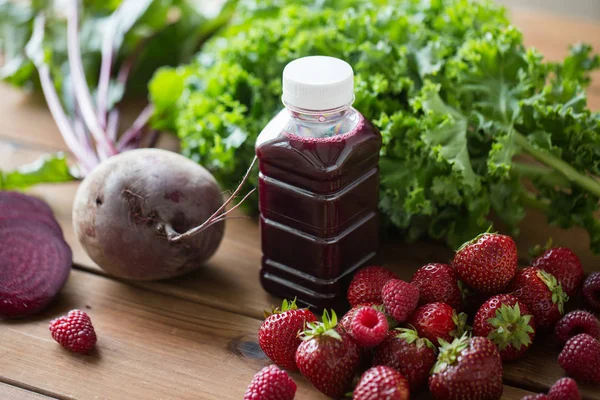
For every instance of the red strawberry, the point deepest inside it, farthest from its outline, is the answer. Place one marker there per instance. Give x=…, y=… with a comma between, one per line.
x=367, y=284
x=467, y=368
x=591, y=291
x=74, y=331
x=564, y=389
x=400, y=298
x=487, y=263
x=507, y=322
x=577, y=322
x=328, y=358
x=369, y=327
x=580, y=358
x=438, y=320
x=438, y=283
x=542, y=295
x=540, y=396
x=271, y=383
x=278, y=335
x=564, y=265
x=405, y=351
x=382, y=382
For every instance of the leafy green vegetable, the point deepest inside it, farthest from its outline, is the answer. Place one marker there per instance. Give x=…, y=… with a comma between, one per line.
x=467, y=114
x=49, y=169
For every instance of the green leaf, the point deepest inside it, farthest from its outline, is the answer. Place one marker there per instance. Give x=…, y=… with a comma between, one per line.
x=48, y=169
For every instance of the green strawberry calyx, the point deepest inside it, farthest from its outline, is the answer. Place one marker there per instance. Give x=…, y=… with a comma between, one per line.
x=510, y=327
x=460, y=320
x=286, y=305
x=559, y=297
x=476, y=238
x=324, y=328
x=410, y=335
x=449, y=352
x=539, y=249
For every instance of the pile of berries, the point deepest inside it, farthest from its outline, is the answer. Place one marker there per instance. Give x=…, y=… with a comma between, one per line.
x=408, y=336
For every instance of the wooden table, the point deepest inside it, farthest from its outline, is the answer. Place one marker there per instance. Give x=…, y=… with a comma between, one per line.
x=196, y=337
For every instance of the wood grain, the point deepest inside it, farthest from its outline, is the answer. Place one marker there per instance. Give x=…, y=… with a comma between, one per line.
x=10, y=392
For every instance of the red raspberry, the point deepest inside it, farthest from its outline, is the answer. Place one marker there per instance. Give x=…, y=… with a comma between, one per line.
x=577, y=322
x=564, y=389
x=580, y=358
x=382, y=383
x=271, y=383
x=74, y=331
x=400, y=299
x=346, y=320
x=540, y=396
x=369, y=327
x=591, y=291
x=367, y=284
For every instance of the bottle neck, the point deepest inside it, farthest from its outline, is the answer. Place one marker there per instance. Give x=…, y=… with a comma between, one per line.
x=320, y=123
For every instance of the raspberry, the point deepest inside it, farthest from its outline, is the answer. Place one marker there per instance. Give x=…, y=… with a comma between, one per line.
x=346, y=321
x=382, y=383
x=577, y=322
x=369, y=327
x=74, y=331
x=271, y=383
x=580, y=358
x=564, y=389
x=591, y=291
x=367, y=284
x=400, y=299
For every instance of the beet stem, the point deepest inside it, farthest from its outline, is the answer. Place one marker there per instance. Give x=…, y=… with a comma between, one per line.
x=106, y=147
x=214, y=218
x=112, y=126
x=136, y=128
x=104, y=80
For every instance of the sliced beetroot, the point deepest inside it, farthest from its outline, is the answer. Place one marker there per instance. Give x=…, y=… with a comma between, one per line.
x=22, y=202
x=7, y=213
x=34, y=265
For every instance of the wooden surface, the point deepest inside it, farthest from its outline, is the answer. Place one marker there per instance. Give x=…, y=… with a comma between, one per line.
x=195, y=337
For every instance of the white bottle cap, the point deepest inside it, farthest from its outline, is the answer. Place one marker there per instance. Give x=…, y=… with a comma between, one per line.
x=318, y=83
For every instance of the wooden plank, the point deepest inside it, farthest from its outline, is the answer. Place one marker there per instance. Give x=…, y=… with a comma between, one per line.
x=10, y=392
x=149, y=346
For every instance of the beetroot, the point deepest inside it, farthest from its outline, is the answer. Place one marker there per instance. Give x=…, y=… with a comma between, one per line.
x=34, y=265
x=21, y=202
x=129, y=214
x=9, y=213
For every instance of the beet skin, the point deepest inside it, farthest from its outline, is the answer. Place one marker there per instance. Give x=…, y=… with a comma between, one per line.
x=126, y=207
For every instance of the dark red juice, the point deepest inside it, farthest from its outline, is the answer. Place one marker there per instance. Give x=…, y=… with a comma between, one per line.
x=318, y=204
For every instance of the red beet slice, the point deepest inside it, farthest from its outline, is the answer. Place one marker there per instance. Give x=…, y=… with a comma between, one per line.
x=34, y=265
x=6, y=213
x=22, y=202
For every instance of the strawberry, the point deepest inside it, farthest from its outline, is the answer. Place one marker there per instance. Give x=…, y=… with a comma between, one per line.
x=507, y=322
x=74, y=331
x=405, y=351
x=438, y=283
x=271, y=383
x=438, y=320
x=382, y=382
x=367, y=284
x=580, y=358
x=591, y=291
x=327, y=357
x=564, y=389
x=369, y=327
x=487, y=263
x=278, y=334
x=564, y=265
x=576, y=322
x=467, y=368
x=400, y=298
x=542, y=295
